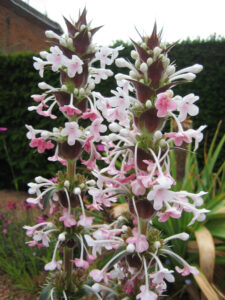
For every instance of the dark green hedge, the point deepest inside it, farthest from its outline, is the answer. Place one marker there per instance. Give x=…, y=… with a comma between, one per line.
x=18, y=80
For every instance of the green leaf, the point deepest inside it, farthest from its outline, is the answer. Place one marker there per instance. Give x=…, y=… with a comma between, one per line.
x=48, y=196
x=217, y=228
x=45, y=294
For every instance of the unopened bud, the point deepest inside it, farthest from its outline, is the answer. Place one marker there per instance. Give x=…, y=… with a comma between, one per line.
x=66, y=183
x=64, y=88
x=39, y=179
x=43, y=54
x=162, y=143
x=114, y=127
x=91, y=182
x=130, y=248
x=51, y=34
x=82, y=27
x=132, y=74
x=157, y=245
x=81, y=91
x=45, y=134
x=76, y=91
x=121, y=63
x=143, y=67
x=96, y=287
x=82, y=185
x=70, y=42
x=157, y=51
x=148, y=104
x=134, y=54
x=50, y=225
x=170, y=93
x=44, y=86
x=77, y=191
x=170, y=69
x=89, y=34
x=124, y=228
x=149, y=61
x=189, y=76
x=158, y=135
x=62, y=237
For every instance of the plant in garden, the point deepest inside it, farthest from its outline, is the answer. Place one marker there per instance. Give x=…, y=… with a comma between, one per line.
x=95, y=252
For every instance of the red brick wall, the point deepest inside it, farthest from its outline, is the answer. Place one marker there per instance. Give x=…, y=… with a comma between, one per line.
x=19, y=34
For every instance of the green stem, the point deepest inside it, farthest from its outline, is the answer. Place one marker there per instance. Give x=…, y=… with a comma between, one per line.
x=68, y=265
x=71, y=167
x=10, y=165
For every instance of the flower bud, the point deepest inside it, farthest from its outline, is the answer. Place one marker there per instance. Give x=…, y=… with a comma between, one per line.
x=64, y=88
x=157, y=245
x=157, y=51
x=157, y=135
x=82, y=27
x=130, y=248
x=44, y=86
x=134, y=54
x=124, y=228
x=132, y=74
x=91, y=182
x=162, y=143
x=66, y=183
x=43, y=54
x=81, y=91
x=62, y=237
x=77, y=191
x=96, y=287
x=148, y=104
x=170, y=69
x=143, y=67
x=114, y=127
x=149, y=61
x=51, y=34
x=121, y=63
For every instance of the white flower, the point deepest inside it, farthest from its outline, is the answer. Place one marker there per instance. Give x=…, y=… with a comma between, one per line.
x=186, y=106
x=72, y=131
x=74, y=65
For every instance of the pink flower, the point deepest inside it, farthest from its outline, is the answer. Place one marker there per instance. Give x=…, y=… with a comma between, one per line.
x=72, y=131
x=74, y=65
x=70, y=111
x=56, y=58
x=163, y=104
x=41, y=144
x=170, y=212
x=137, y=187
x=162, y=274
x=87, y=144
x=90, y=114
x=99, y=275
x=81, y=263
x=187, y=270
x=4, y=231
x=96, y=128
x=68, y=219
x=52, y=265
x=85, y=221
x=38, y=98
x=3, y=129
x=146, y=294
x=139, y=240
x=178, y=137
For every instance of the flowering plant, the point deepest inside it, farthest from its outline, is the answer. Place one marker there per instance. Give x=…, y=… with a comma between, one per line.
x=136, y=170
